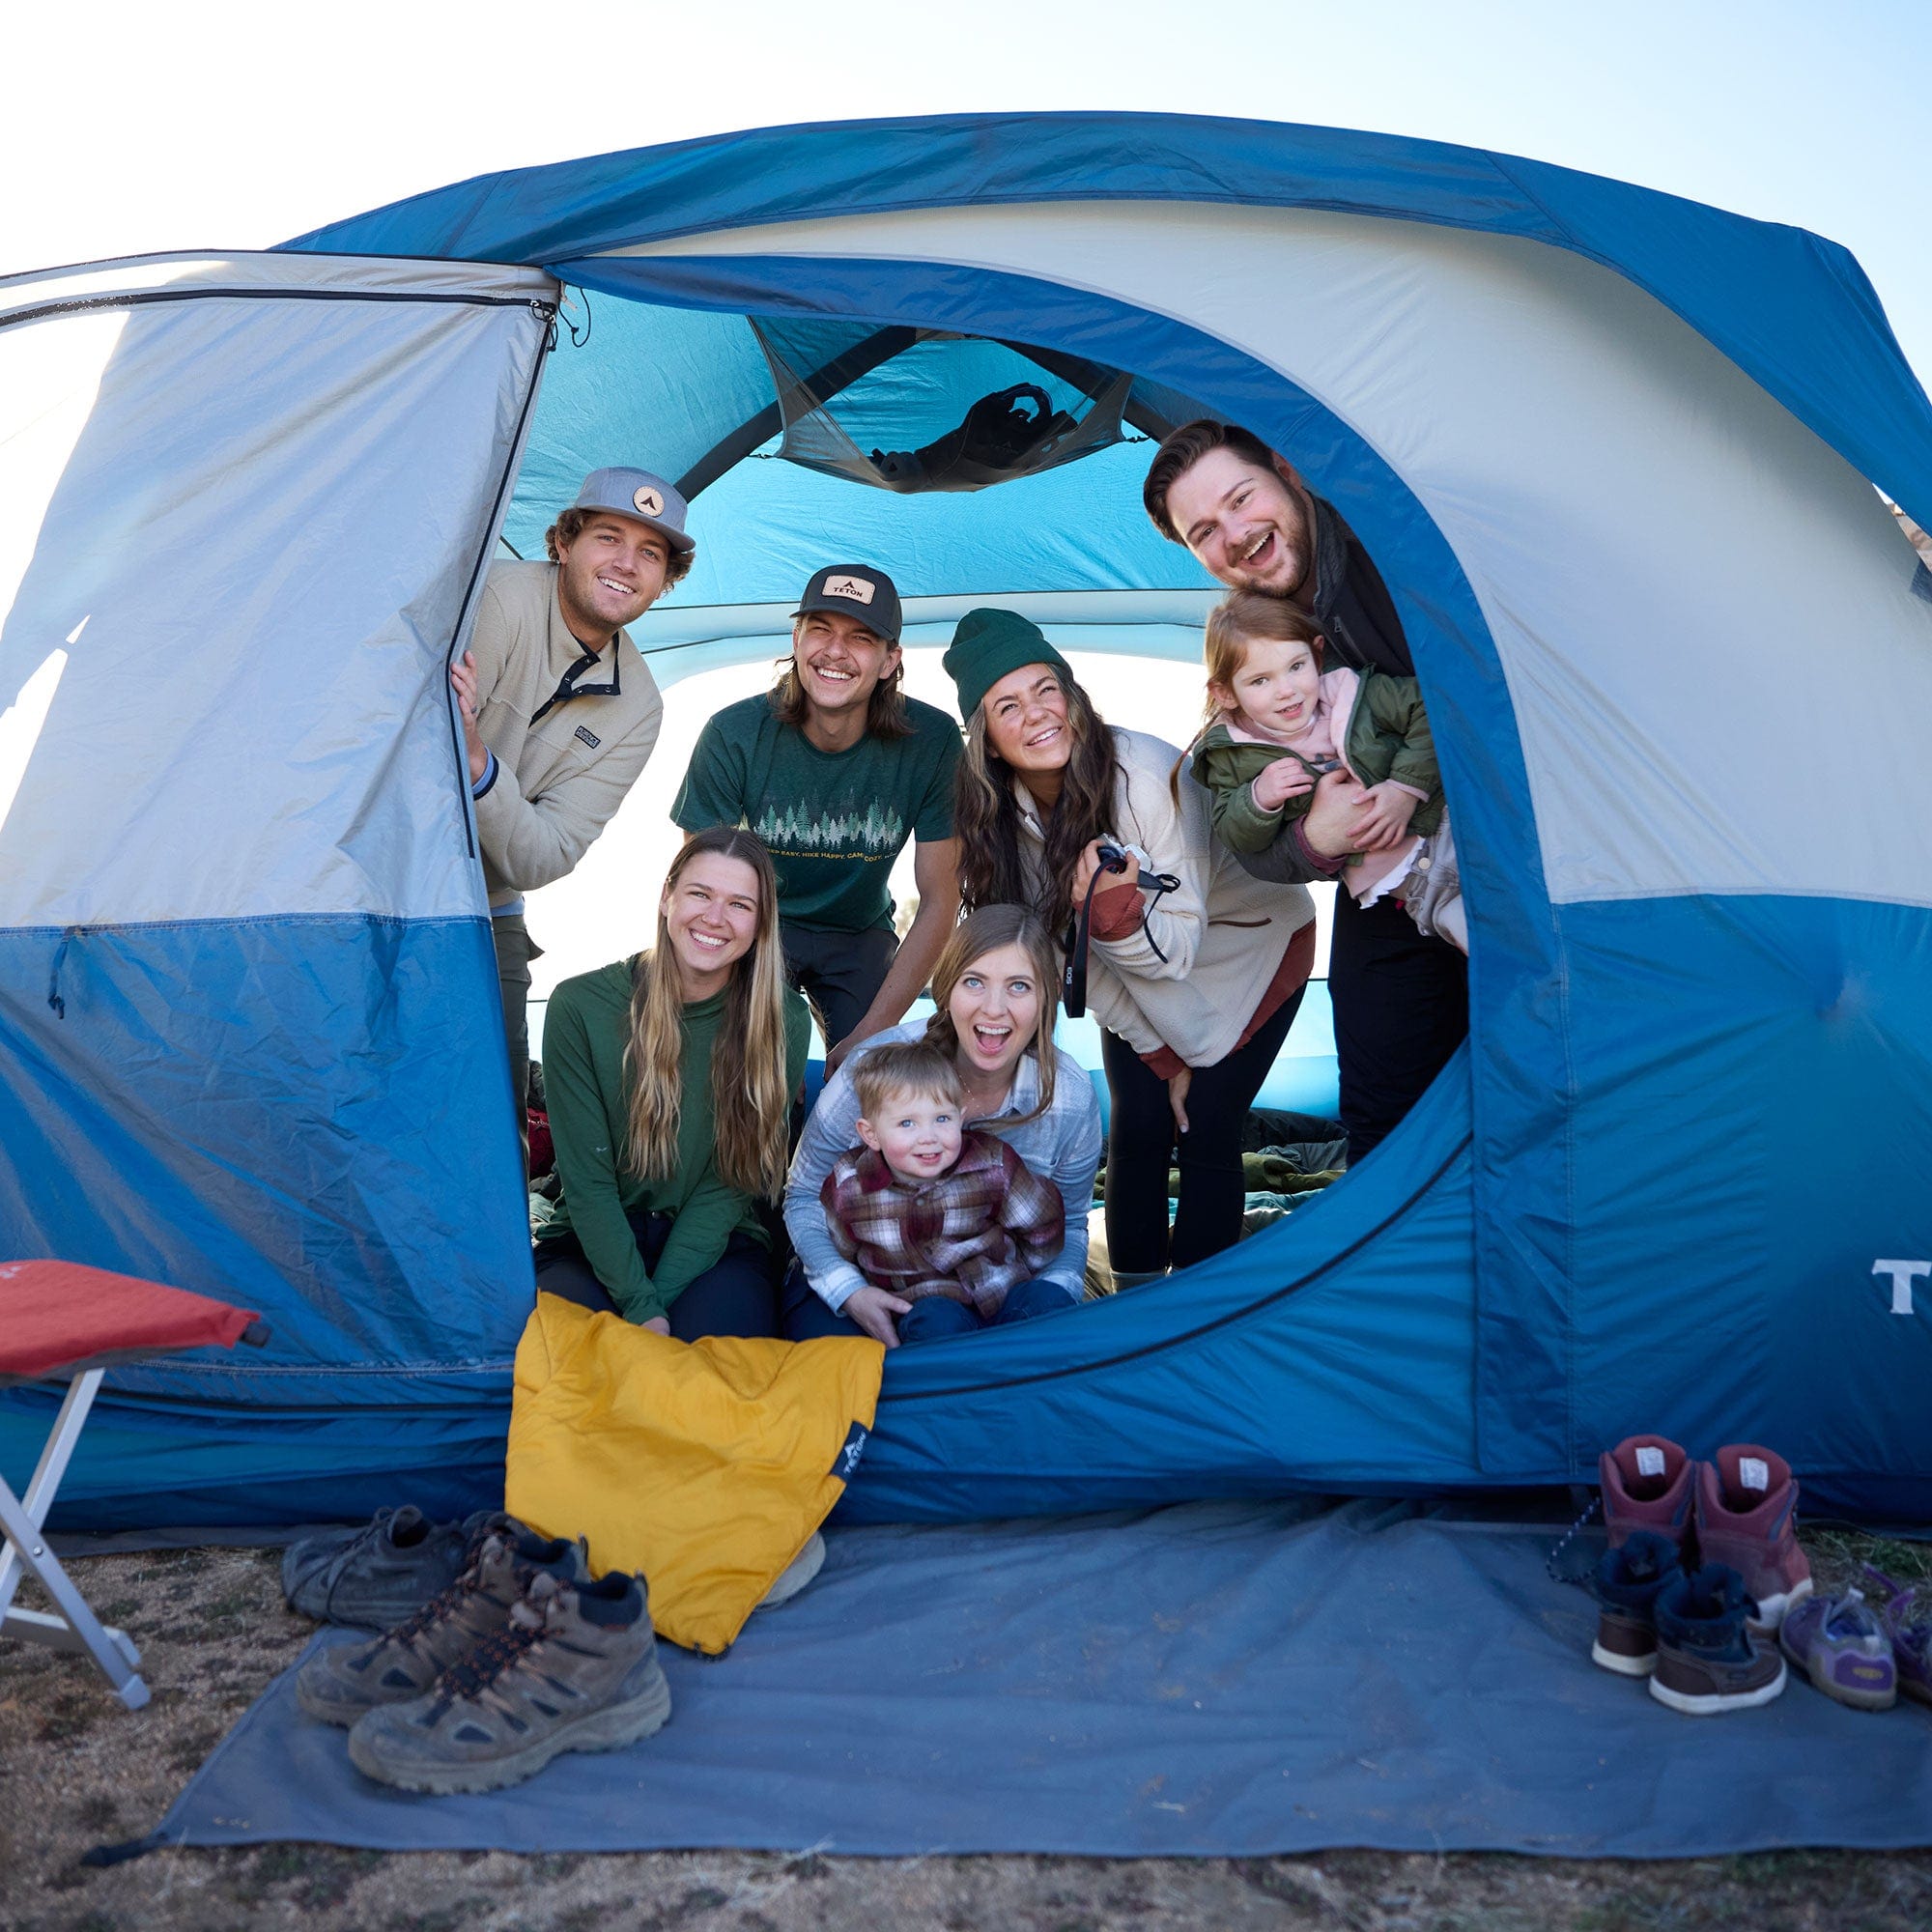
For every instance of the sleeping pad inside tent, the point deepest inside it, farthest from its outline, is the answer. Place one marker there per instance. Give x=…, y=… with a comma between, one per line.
x=1618, y=459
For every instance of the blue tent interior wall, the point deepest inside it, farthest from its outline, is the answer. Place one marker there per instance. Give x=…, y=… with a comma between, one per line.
x=1556, y=1247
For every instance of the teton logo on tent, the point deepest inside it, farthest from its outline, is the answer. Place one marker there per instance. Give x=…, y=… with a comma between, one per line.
x=857, y=589
x=650, y=502
x=1903, y=1274
x=588, y=736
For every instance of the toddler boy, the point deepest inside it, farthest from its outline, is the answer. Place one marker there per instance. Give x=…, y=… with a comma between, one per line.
x=951, y=1223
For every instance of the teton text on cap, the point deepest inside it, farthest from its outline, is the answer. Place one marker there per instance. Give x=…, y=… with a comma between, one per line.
x=650, y=502
x=857, y=590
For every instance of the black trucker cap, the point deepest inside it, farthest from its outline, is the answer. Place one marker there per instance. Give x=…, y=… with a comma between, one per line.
x=858, y=590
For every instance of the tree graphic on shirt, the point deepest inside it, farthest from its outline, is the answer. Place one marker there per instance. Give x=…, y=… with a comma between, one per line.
x=879, y=829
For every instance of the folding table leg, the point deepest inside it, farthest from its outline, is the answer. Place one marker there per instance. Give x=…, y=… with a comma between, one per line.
x=75, y=1628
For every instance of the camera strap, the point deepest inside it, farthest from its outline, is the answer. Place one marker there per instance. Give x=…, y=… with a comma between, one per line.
x=1079, y=936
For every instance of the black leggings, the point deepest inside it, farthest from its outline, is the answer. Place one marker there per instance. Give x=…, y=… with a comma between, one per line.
x=736, y=1295
x=1142, y=1139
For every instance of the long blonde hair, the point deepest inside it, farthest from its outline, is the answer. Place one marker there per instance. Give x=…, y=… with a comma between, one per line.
x=750, y=1102
x=973, y=938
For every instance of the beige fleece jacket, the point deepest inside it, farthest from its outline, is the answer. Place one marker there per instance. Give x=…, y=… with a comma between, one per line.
x=1223, y=933
x=559, y=780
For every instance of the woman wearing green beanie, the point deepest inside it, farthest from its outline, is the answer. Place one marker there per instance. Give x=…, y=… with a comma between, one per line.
x=1195, y=984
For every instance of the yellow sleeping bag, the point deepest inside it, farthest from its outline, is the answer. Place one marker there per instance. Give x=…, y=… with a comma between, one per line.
x=705, y=1464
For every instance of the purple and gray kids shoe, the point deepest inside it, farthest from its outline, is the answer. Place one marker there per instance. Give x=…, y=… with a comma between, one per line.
x=1842, y=1645
x=1626, y=1585
x=1906, y=1611
x=1709, y=1658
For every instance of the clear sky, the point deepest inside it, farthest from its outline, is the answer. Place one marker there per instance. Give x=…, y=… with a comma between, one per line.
x=127, y=128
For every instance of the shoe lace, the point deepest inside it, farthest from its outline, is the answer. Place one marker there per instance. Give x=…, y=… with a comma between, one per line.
x=472, y=1674
x=1579, y=1578
x=366, y=1538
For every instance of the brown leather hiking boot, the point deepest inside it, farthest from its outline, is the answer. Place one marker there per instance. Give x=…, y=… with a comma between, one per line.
x=339, y=1685
x=574, y=1668
x=1708, y=1659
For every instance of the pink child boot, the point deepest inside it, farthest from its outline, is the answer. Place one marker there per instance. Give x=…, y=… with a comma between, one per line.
x=1746, y=1515
x=1647, y=1483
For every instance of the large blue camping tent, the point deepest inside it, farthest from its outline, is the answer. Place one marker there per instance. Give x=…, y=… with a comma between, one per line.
x=1615, y=454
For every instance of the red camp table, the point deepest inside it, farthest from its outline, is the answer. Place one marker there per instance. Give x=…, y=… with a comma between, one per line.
x=60, y=1320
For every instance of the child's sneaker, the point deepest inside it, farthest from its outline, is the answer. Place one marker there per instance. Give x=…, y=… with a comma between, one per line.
x=1647, y=1483
x=1746, y=1519
x=1906, y=1611
x=1842, y=1646
x=1626, y=1587
x=1708, y=1659
x=575, y=1668
x=339, y=1685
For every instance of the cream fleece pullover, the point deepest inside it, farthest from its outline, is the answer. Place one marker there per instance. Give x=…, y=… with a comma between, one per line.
x=1223, y=933
x=559, y=780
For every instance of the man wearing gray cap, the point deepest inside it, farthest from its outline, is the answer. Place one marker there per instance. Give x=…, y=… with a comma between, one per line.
x=559, y=710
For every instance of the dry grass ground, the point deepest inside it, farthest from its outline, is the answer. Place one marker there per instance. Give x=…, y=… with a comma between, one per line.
x=77, y=1771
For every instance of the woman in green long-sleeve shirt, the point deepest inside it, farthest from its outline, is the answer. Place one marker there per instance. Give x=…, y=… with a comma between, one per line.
x=670, y=1079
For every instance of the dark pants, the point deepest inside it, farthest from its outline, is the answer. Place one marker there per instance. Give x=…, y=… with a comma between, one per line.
x=515, y=950
x=934, y=1316
x=803, y=1315
x=1141, y=1141
x=838, y=973
x=736, y=1295
x=1401, y=1007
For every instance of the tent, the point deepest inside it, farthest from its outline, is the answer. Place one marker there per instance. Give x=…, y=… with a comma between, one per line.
x=1619, y=458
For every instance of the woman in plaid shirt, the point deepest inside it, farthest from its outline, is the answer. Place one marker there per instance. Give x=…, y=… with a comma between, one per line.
x=995, y=987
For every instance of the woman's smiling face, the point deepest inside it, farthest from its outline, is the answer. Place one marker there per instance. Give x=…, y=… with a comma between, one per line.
x=1026, y=720
x=711, y=918
x=994, y=1006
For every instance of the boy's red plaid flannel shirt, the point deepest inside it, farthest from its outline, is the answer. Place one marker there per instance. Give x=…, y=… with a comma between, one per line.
x=984, y=1226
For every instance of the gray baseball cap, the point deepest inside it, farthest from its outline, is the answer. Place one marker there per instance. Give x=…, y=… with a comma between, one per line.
x=642, y=498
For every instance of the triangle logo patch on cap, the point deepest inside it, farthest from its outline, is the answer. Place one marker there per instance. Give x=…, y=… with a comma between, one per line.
x=648, y=501
x=854, y=589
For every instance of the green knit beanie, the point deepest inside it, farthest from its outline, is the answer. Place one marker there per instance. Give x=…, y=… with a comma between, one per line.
x=986, y=646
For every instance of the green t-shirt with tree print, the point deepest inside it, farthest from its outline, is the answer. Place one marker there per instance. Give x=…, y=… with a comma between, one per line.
x=834, y=821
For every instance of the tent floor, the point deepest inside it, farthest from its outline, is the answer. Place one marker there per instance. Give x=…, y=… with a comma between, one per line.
x=1207, y=1678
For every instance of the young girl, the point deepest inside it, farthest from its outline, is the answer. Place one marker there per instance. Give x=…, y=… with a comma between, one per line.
x=670, y=1078
x=1277, y=722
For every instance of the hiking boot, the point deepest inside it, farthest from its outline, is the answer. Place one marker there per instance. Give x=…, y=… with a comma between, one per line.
x=1906, y=1611
x=574, y=1668
x=1746, y=1520
x=1842, y=1646
x=1626, y=1587
x=1647, y=1483
x=339, y=1685
x=796, y=1573
x=374, y=1577
x=1708, y=1659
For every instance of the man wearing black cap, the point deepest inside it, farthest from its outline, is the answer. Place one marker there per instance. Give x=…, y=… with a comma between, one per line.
x=559, y=710
x=835, y=768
